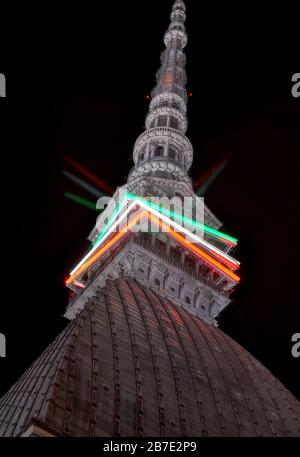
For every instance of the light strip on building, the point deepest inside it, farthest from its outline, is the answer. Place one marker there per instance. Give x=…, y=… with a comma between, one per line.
x=234, y=263
x=196, y=250
x=111, y=219
x=176, y=235
x=222, y=236
x=103, y=236
x=101, y=251
x=78, y=284
x=184, y=219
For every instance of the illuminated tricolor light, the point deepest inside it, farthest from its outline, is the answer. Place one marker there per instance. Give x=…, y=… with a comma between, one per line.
x=230, y=243
x=79, y=284
x=104, y=248
x=220, y=254
x=233, y=264
x=228, y=260
x=222, y=236
x=113, y=216
x=103, y=237
x=226, y=238
x=196, y=250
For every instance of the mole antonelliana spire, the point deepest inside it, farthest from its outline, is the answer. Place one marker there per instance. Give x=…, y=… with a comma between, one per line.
x=142, y=355
x=163, y=154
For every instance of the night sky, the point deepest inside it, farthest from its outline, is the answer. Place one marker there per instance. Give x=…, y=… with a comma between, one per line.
x=78, y=87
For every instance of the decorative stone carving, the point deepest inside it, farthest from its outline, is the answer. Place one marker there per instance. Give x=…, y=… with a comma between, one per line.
x=154, y=271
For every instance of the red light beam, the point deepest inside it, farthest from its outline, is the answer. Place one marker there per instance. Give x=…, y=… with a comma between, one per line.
x=94, y=179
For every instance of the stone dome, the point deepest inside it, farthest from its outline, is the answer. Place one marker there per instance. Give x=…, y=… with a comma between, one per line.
x=133, y=364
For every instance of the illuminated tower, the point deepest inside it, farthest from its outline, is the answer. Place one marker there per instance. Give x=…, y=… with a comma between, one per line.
x=142, y=355
x=163, y=156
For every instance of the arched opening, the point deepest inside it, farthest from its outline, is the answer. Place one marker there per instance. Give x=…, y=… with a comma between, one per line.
x=158, y=151
x=174, y=122
x=172, y=153
x=162, y=121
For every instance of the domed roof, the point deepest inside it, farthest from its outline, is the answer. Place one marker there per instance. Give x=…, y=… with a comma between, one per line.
x=133, y=364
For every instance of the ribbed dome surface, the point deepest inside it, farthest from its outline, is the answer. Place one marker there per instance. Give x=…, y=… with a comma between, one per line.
x=132, y=364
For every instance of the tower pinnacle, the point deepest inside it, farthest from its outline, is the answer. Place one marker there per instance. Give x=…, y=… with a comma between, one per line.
x=163, y=150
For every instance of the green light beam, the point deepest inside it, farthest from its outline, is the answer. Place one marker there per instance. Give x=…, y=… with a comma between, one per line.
x=82, y=201
x=183, y=219
x=114, y=215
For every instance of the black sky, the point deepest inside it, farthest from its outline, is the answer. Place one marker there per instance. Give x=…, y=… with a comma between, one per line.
x=77, y=88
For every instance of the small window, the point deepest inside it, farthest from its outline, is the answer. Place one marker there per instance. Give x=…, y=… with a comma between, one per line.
x=158, y=151
x=190, y=263
x=174, y=123
x=175, y=105
x=164, y=103
x=143, y=153
x=172, y=153
x=188, y=300
x=156, y=282
x=162, y=121
x=175, y=253
x=160, y=245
